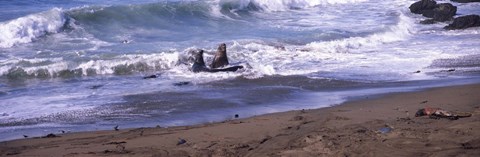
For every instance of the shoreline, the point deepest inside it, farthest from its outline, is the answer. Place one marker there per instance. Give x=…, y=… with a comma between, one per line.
x=347, y=129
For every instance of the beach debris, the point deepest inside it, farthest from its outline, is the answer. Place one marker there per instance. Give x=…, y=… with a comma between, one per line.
x=298, y=118
x=437, y=113
x=450, y=70
x=25, y=136
x=236, y=116
x=51, y=135
x=115, y=143
x=150, y=77
x=418, y=71
x=265, y=139
x=181, y=83
x=423, y=102
x=116, y=128
x=384, y=130
x=181, y=141
x=467, y=145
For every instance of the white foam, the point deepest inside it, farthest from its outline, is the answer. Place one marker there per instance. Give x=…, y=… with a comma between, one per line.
x=100, y=66
x=28, y=28
x=399, y=32
x=283, y=5
x=154, y=61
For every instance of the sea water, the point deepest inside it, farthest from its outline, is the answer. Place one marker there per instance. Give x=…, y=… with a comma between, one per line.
x=78, y=65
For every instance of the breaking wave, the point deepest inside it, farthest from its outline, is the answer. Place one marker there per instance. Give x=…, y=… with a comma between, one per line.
x=156, y=15
x=58, y=67
x=27, y=29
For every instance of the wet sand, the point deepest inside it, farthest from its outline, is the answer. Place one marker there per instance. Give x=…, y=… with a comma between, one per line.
x=350, y=129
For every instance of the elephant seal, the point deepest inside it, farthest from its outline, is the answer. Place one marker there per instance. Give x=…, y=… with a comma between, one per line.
x=199, y=64
x=220, y=58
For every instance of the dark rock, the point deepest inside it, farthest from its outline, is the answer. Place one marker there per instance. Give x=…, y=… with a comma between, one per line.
x=428, y=22
x=51, y=135
x=96, y=86
x=464, y=22
x=116, y=128
x=150, y=77
x=465, y=1
x=428, y=13
x=236, y=116
x=181, y=83
x=420, y=6
x=444, y=12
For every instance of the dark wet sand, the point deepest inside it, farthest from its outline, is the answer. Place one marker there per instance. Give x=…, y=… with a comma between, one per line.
x=350, y=129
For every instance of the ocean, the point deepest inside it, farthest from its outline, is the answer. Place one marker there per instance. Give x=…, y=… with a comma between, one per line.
x=78, y=65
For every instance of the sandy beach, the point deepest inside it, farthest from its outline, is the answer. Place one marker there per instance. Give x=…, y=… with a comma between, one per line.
x=350, y=129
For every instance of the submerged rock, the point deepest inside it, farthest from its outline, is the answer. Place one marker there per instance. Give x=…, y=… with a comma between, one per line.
x=464, y=22
x=150, y=77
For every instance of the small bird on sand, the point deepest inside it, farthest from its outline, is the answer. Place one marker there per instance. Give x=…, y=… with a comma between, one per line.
x=25, y=136
x=116, y=128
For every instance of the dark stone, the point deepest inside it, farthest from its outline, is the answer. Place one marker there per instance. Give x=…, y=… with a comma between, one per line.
x=465, y=1
x=236, y=116
x=464, y=22
x=96, y=86
x=427, y=22
x=181, y=83
x=444, y=12
x=220, y=58
x=150, y=77
x=50, y=136
x=420, y=6
x=428, y=13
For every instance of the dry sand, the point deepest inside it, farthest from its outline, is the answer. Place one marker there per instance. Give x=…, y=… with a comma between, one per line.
x=350, y=129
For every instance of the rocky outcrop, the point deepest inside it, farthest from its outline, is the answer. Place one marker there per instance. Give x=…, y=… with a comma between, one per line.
x=444, y=12
x=420, y=6
x=429, y=8
x=465, y=1
x=464, y=22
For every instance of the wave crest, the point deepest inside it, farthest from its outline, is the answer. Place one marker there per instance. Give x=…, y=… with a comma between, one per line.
x=28, y=28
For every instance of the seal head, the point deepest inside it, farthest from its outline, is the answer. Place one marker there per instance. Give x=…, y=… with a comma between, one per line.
x=220, y=58
x=198, y=63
